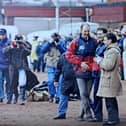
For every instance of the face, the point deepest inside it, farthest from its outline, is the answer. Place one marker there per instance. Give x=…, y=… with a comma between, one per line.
x=100, y=35
x=85, y=31
x=2, y=37
x=106, y=41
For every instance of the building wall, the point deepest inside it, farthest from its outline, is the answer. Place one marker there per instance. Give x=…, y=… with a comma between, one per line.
x=109, y=14
x=116, y=0
x=38, y=11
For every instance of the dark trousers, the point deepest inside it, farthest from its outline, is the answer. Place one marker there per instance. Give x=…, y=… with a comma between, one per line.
x=97, y=101
x=112, y=109
x=13, y=73
x=35, y=65
x=41, y=65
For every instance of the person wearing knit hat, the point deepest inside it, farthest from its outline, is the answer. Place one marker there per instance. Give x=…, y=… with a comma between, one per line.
x=3, y=31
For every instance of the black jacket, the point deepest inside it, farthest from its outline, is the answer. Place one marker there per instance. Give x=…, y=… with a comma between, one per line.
x=69, y=80
x=18, y=56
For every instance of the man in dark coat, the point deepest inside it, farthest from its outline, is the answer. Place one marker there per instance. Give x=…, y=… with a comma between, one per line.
x=68, y=84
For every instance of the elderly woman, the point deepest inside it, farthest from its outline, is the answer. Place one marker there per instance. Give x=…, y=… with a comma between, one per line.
x=110, y=82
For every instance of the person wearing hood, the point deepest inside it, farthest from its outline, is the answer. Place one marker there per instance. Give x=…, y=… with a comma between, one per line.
x=110, y=81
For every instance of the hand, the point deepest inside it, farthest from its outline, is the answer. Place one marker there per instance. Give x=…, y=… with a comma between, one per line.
x=98, y=59
x=84, y=66
x=13, y=44
x=51, y=41
x=56, y=84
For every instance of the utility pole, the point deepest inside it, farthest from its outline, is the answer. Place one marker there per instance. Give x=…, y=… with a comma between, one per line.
x=1, y=13
x=87, y=14
x=70, y=4
x=57, y=15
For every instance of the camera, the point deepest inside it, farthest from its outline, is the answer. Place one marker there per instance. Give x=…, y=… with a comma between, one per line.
x=19, y=42
x=55, y=37
x=18, y=37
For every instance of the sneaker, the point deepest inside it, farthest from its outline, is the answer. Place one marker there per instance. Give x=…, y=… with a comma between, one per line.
x=8, y=102
x=51, y=99
x=15, y=101
x=1, y=100
x=110, y=123
x=80, y=118
x=98, y=120
x=90, y=119
x=63, y=116
x=57, y=100
x=21, y=102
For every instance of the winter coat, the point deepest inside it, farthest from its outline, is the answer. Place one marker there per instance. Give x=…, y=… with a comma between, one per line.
x=51, y=57
x=51, y=53
x=3, y=58
x=68, y=76
x=110, y=80
x=81, y=50
x=18, y=56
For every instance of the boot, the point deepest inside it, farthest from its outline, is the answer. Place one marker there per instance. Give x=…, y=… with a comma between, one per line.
x=22, y=96
x=51, y=99
x=9, y=99
x=15, y=98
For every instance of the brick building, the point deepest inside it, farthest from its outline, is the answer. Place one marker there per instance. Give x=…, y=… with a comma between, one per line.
x=116, y=1
x=110, y=13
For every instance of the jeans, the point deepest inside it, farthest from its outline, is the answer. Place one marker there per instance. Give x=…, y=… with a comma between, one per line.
x=58, y=89
x=35, y=65
x=4, y=74
x=63, y=104
x=22, y=83
x=22, y=77
x=52, y=90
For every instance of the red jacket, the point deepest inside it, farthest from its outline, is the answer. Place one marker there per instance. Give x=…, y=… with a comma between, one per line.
x=80, y=51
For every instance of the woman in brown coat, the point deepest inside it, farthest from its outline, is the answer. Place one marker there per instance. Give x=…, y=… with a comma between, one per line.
x=110, y=83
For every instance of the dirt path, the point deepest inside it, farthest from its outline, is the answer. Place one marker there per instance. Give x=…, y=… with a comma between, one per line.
x=42, y=113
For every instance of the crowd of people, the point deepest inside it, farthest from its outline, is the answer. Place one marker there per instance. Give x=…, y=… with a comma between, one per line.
x=74, y=65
